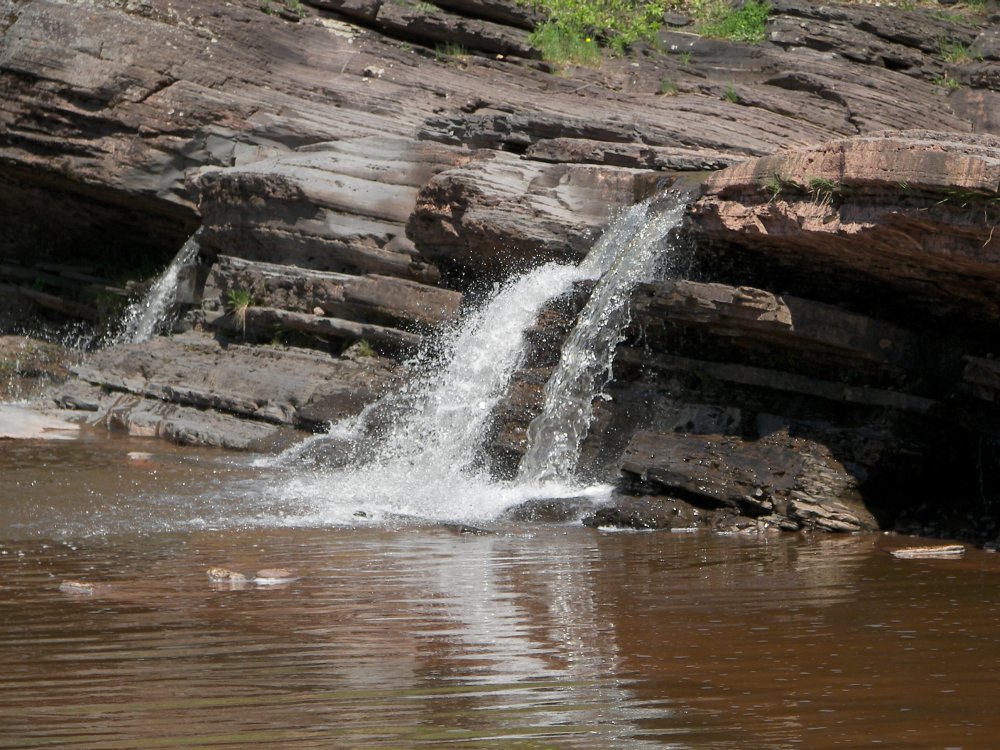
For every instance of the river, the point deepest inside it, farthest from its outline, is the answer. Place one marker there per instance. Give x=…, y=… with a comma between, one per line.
x=401, y=634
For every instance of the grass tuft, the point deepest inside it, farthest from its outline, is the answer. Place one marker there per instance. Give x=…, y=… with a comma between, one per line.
x=238, y=301
x=559, y=44
x=745, y=24
x=576, y=30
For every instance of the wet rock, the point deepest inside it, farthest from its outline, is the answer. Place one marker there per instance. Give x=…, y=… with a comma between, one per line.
x=225, y=575
x=946, y=552
x=273, y=576
x=78, y=588
x=24, y=423
x=224, y=579
x=550, y=510
x=78, y=396
x=466, y=529
x=273, y=386
x=775, y=475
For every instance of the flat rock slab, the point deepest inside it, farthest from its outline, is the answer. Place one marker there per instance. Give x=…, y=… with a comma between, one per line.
x=22, y=423
x=946, y=552
x=267, y=384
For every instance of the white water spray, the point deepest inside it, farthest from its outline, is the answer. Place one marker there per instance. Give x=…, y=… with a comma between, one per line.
x=428, y=461
x=150, y=315
x=555, y=436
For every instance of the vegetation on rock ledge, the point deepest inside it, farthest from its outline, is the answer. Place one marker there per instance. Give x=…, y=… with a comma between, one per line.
x=577, y=30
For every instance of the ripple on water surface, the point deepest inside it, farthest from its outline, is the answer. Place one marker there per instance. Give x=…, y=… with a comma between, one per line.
x=533, y=636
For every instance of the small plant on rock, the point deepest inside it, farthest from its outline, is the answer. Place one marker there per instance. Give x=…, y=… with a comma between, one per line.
x=824, y=191
x=946, y=82
x=730, y=95
x=747, y=23
x=238, y=301
x=449, y=51
x=296, y=7
x=954, y=52
x=668, y=87
x=777, y=186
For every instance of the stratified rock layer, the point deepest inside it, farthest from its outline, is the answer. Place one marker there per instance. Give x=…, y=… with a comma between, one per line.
x=359, y=173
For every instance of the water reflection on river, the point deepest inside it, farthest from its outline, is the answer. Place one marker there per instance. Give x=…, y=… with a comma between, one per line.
x=534, y=637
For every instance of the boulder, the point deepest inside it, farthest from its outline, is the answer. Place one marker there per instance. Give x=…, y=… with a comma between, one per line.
x=775, y=475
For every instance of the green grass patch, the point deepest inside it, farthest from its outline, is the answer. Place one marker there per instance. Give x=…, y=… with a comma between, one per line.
x=563, y=45
x=946, y=82
x=825, y=191
x=609, y=24
x=746, y=24
x=777, y=186
x=954, y=52
x=449, y=51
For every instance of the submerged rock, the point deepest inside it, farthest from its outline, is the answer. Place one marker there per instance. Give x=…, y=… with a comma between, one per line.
x=947, y=552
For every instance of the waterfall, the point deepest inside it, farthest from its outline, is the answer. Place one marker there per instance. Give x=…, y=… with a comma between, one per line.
x=419, y=452
x=151, y=315
x=427, y=461
x=556, y=434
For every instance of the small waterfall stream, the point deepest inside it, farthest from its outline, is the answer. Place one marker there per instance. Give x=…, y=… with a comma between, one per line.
x=556, y=434
x=151, y=314
x=427, y=459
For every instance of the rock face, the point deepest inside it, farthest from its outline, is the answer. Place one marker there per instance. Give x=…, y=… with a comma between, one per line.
x=913, y=211
x=358, y=173
x=872, y=382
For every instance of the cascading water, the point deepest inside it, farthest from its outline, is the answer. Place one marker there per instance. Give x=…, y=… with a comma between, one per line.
x=150, y=315
x=427, y=461
x=556, y=434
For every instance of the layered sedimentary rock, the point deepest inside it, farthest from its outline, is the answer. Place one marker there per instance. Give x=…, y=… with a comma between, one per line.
x=817, y=386
x=360, y=172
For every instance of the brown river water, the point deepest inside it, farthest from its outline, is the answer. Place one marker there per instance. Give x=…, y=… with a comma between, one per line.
x=400, y=635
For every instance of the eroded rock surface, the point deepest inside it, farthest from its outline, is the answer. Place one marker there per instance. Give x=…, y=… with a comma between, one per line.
x=355, y=173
